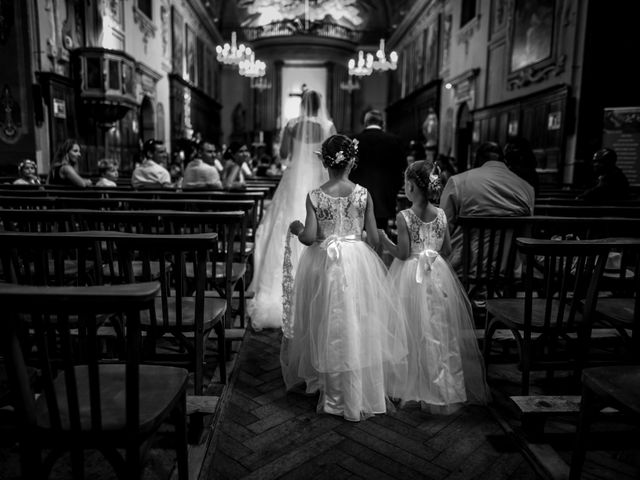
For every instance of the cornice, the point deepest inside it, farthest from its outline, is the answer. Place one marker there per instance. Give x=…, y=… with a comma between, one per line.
x=205, y=19
x=419, y=10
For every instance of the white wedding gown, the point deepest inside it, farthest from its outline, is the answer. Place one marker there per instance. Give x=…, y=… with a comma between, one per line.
x=305, y=173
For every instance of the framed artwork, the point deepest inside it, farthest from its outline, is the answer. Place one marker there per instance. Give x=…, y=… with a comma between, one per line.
x=532, y=32
x=200, y=69
x=498, y=15
x=432, y=51
x=190, y=53
x=446, y=40
x=177, y=42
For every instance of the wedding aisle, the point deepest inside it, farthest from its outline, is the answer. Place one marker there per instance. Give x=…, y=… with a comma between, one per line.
x=265, y=433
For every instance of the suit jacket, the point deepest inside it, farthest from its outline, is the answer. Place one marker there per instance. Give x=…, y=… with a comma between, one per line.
x=380, y=168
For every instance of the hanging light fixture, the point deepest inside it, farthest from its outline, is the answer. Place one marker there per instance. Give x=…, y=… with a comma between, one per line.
x=260, y=83
x=251, y=67
x=362, y=67
x=231, y=54
x=381, y=63
x=350, y=85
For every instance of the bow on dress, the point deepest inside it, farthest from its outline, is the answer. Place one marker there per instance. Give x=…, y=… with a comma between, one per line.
x=333, y=245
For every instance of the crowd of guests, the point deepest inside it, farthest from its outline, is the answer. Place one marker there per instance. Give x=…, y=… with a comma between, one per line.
x=197, y=165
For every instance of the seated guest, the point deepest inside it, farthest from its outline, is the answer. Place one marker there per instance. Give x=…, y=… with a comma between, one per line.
x=27, y=173
x=520, y=159
x=235, y=167
x=611, y=182
x=63, y=171
x=108, y=170
x=151, y=172
x=201, y=172
x=489, y=189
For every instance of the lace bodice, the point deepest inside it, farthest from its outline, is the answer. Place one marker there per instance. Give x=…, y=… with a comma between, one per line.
x=340, y=216
x=425, y=235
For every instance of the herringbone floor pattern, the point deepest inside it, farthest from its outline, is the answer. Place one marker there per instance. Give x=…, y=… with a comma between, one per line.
x=266, y=433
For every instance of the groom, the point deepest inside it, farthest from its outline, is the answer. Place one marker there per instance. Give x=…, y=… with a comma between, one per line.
x=380, y=167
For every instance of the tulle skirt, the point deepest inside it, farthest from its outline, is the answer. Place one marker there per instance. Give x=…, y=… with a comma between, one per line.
x=288, y=204
x=349, y=335
x=445, y=366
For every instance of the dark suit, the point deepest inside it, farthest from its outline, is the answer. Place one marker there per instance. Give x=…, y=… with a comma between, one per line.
x=380, y=170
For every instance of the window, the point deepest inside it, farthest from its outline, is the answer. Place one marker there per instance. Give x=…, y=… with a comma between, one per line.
x=146, y=7
x=468, y=12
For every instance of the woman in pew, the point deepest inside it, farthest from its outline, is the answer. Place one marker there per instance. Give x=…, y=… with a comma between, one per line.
x=236, y=166
x=28, y=173
x=63, y=171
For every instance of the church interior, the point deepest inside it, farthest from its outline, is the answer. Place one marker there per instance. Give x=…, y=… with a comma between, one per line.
x=145, y=283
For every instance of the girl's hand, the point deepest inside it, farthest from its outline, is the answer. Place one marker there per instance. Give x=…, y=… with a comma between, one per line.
x=296, y=227
x=382, y=233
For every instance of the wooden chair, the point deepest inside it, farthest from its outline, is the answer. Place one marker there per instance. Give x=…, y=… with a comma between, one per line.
x=185, y=314
x=621, y=310
x=544, y=327
x=617, y=387
x=86, y=403
x=182, y=311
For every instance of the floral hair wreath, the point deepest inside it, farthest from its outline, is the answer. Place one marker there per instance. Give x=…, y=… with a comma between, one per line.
x=25, y=163
x=342, y=157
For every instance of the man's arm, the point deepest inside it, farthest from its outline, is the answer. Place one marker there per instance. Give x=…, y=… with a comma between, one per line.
x=449, y=202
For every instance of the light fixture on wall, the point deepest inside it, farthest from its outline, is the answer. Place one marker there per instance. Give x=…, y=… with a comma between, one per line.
x=362, y=67
x=231, y=54
x=381, y=63
x=350, y=85
x=251, y=67
x=260, y=83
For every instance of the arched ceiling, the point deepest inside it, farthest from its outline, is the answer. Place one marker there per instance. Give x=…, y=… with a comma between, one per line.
x=381, y=16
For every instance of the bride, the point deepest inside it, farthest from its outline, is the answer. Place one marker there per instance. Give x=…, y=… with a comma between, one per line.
x=301, y=137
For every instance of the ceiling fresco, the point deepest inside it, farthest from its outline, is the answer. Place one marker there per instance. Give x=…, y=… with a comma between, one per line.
x=381, y=15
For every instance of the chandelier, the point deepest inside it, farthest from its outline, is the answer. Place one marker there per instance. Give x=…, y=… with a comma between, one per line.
x=260, y=84
x=251, y=67
x=232, y=54
x=381, y=63
x=350, y=85
x=362, y=67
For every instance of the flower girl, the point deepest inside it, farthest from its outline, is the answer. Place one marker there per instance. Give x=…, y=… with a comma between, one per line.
x=445, y=367
x=348, y=331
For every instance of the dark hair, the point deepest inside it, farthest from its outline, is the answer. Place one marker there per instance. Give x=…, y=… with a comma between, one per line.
x=232, y=149
x=606, y=156
x=150, y=146
x=338, y=151
x=310, y=103
x=64, y=148
x=373, y=117
x=488, y=151
x=421, y=174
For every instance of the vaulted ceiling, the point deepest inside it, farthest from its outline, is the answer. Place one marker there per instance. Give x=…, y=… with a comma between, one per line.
x=381, y=16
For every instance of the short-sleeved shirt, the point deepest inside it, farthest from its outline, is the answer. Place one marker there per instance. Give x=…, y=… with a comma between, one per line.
x=489, y=190
x=150, y=173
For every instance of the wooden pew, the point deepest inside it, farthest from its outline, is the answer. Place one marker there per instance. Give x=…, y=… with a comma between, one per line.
x=186, y=314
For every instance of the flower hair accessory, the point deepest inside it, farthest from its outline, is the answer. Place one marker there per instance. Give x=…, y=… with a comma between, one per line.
x=342, y=157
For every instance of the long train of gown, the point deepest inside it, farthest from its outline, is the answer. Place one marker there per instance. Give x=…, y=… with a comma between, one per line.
x=349, y=333
x=288, y=204
x=445, y=366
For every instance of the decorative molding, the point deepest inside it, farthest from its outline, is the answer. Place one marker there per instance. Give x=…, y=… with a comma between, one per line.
x=531, y=75
x=145, y=24
x=464, y=86
x=419, y=12
x=147, y=79
x=466, y=32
